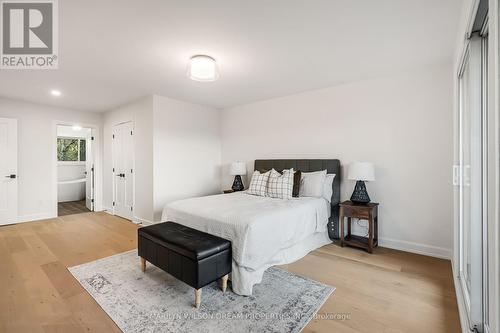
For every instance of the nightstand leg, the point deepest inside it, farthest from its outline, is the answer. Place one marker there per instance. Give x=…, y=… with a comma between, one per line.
x=370, y=234
x=348, y=227
x=341, y=222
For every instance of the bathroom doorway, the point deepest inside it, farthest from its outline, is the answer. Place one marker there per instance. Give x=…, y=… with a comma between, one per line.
x=75, y=170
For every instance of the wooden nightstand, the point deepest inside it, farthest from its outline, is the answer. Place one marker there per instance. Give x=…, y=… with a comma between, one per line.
x=365, y=212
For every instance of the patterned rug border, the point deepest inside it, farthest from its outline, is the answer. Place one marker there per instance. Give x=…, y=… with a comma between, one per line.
x=108, y=258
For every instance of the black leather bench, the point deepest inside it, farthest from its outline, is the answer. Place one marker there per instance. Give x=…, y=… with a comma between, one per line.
x=192, y=256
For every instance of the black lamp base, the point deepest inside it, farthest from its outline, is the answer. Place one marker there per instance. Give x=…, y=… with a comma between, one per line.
x=237, y=184
x=359, y=195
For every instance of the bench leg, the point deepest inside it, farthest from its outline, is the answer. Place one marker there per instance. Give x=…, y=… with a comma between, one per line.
x=224, y=282
x=143, y=264
x=197, y=298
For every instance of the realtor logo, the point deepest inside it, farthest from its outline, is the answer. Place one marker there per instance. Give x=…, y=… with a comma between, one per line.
x=29, y=34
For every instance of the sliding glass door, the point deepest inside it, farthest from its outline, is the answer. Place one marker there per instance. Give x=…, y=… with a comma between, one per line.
x=472, y=153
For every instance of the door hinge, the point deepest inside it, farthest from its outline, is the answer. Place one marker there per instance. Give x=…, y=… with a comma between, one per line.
x=92, y=169
x=92, y=200
x=131, y=171
x=113, y=169
x=113, y=136
x=92, y=138
x=131, y=208
x=113, y=203
x=131, y=133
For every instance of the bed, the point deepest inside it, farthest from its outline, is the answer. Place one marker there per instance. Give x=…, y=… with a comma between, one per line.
x=264, y=231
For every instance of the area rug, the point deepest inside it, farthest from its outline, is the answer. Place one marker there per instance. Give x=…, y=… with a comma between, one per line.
x=154, y=301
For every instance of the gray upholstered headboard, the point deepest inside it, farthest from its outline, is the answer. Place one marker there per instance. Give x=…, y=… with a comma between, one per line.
x=332, y=166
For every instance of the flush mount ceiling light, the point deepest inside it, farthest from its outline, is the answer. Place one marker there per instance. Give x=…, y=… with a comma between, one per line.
x=55, y=93
x=202, y=68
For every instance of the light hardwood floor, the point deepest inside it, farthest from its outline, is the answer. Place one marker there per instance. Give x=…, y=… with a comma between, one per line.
x=389, y=291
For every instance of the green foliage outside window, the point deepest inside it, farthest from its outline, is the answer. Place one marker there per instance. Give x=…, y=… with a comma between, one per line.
x=71, y=150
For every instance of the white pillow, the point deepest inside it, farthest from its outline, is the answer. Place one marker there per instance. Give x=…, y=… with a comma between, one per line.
x=327, y=187
x=258, y=184
x=280, y=186
x=312, y=184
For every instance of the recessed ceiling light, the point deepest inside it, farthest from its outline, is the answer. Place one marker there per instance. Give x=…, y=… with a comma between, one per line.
x=203, y=68
x=77, y=128
x=56, y=93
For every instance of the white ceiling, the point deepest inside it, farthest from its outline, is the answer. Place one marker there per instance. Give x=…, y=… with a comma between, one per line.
x=112, y=52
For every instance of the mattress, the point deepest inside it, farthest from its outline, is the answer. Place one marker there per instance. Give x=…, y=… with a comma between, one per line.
x=259, y=228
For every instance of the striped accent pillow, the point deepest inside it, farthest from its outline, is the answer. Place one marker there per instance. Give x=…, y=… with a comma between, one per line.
x=280, y=186
x=258, y=184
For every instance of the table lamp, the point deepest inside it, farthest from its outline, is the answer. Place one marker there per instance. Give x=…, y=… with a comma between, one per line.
x=237, y=170
x=361, y=172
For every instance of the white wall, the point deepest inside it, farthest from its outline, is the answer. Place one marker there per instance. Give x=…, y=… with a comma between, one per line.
x=187, y=151
x=402, y=124
x=140, y=113
x=36, y=132
x=177, y=153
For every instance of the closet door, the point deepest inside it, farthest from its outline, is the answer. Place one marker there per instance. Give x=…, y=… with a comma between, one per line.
x=472, y=184
x=123, y=170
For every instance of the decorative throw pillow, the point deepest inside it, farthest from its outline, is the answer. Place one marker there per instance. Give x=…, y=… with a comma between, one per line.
x=296, y=183
x=312, y=184
x=327, y=188
x=258, y=184
x=280, y=186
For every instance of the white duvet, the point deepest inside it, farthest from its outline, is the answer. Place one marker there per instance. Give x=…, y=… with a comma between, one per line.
x=260, y=229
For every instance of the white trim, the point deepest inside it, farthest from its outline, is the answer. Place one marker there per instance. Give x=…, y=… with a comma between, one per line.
x=107, y=209
x=35, y=217
x=418, y=248
x=142, y=221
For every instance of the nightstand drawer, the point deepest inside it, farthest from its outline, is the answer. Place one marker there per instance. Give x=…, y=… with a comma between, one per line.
x=358, y=212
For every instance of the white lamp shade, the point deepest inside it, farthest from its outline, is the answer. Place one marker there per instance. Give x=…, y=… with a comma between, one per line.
x=238, y=168
x=361, y=171
x=203, y=68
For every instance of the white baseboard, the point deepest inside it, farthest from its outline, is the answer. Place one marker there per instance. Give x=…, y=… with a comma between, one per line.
x=135, y=219
x=424, y=249
x=108, y=210
x=35, y=217
x=139, y=220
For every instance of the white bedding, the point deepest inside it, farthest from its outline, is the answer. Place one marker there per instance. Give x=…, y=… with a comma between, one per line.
x=261, y=229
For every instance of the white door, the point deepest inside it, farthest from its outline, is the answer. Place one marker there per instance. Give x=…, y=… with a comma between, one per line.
x=89, y=172
x=123, y=197
x=8, y=171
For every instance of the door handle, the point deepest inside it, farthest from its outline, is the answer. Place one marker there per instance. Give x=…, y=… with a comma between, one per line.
x=11, y=176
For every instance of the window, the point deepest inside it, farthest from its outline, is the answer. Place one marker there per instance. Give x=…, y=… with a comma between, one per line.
x=71, y=150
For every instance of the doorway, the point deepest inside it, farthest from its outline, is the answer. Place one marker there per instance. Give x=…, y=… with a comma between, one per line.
x=75, y=170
